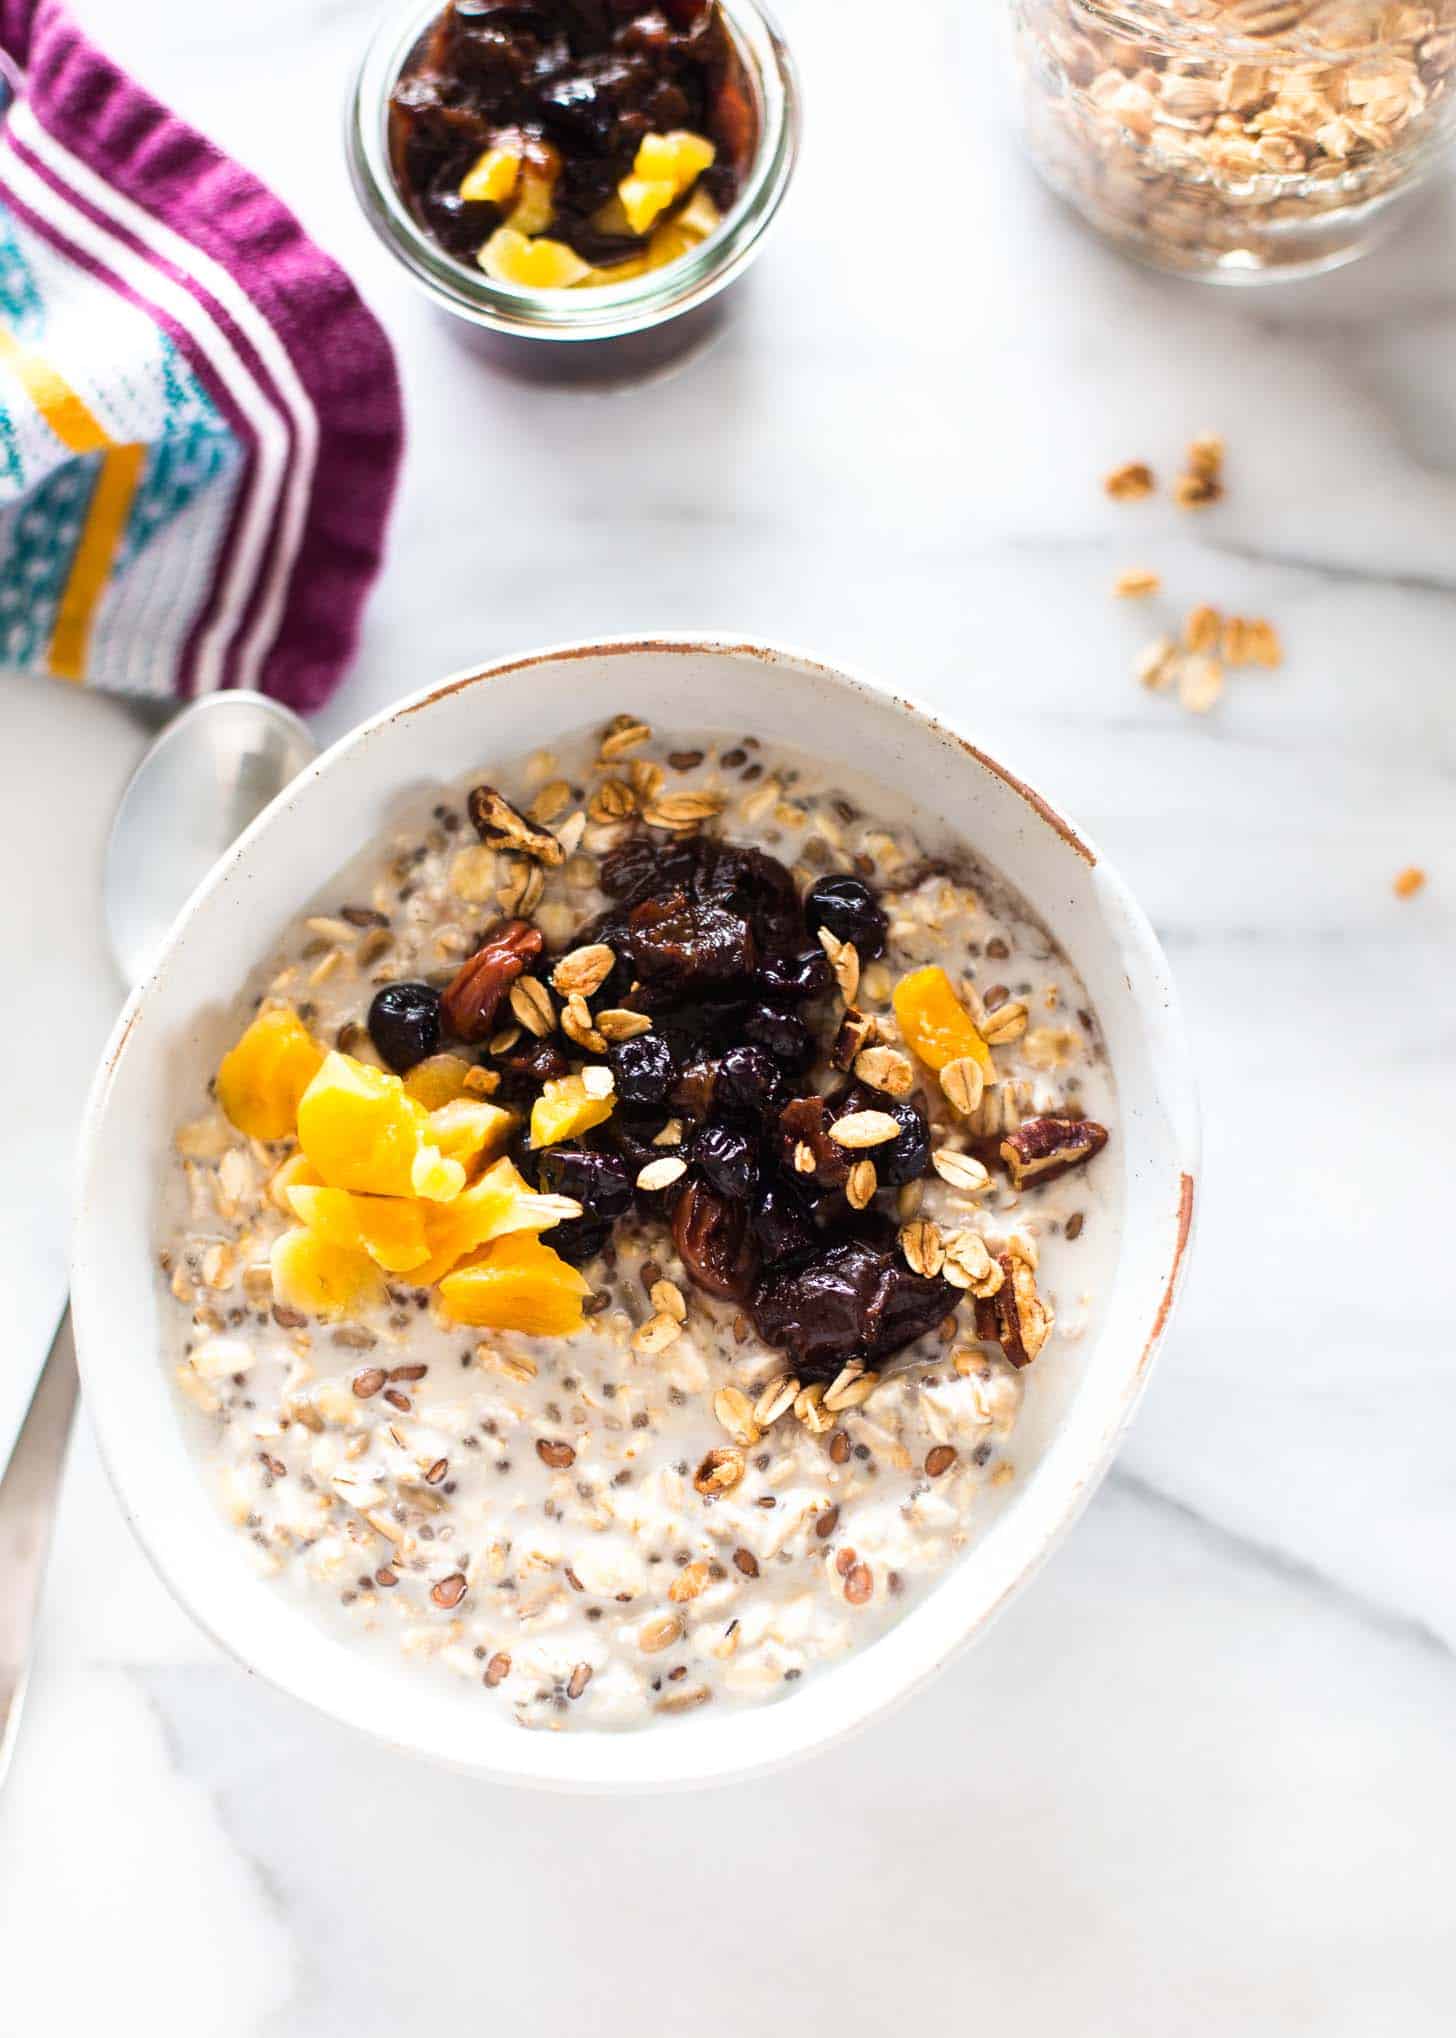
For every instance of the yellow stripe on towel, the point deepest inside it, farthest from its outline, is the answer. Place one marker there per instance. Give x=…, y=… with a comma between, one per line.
x=79, y=431
x=65, y=413
x=101, y=535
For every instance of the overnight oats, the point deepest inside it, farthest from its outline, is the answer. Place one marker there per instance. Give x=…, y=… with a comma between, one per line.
x=611, y=1257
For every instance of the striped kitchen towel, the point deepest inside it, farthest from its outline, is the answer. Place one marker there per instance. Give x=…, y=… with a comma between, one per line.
x=199, y=420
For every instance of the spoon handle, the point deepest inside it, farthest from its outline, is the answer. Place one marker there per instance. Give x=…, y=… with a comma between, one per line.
x=29, y=1491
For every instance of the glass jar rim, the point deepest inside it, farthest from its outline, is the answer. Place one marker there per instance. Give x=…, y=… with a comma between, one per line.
x=605, y=311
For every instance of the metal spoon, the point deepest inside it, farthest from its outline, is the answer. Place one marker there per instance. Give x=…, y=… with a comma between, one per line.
x=212, y=770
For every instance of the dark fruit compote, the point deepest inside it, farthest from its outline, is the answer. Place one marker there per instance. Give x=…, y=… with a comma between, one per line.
x=715, y=943
x=562, y=143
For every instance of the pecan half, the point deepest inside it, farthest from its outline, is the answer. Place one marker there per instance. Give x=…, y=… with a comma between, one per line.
x=1043, y=1148
x=856, y=1030
x=503, y=826
x=1023, y=1320
x=473, y=998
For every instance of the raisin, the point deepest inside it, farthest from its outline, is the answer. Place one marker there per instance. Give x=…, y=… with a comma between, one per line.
x=600, y=1182
x=715, y=1242
x=404, y=1024
x=850, y=910
x=852, y=1300
x=580, y=1239
x=783, y=1224
x=634, y=1134
x=526, y=1066
x=782, y=1032
x=643, y=1067
x=696, y=1088
x=749, y=1082
x=805, y=974
x=727, y=1161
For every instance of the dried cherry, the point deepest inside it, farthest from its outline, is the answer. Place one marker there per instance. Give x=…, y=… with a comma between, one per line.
x=643, y=1068
x=782, y=1032
x=600, y=1182
x=727, y=1161
x=783, y=1223
x=749, y=1082
x=850, y=910
x=404, y=1024
x=799, y=974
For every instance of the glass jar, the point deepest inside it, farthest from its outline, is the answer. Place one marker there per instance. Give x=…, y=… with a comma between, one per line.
x=1238, y=140
x=605, y=312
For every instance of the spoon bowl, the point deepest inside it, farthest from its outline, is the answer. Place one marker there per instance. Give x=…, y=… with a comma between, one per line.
x=209, y=774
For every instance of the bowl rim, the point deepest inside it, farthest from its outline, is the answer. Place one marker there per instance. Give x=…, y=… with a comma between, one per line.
x=625, y=1764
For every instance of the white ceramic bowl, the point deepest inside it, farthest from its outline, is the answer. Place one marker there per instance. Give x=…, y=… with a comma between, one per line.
x=172, y=1029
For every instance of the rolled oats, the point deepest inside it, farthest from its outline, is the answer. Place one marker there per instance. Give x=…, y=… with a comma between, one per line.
x=1235, y=133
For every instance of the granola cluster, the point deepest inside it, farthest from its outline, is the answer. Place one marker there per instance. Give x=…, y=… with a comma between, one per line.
x=1207, y=131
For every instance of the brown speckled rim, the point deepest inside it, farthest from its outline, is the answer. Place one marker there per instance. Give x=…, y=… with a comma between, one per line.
x=1175, y=1271
x=765, y=654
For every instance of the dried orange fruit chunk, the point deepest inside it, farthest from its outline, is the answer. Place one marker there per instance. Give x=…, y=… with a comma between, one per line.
x=440, y=1080
x=322, y=1279
x=502, y=1201
x=666, y=166
x=543, y=264
x=260, y=1081
x=468, y=1130
x=362, y=1132
x=934, y=1022
x=566, y=1108
x=517, y=1284
x=391, y=1229
x=492, y=178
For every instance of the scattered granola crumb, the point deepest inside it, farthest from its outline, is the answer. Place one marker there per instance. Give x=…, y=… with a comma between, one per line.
x=1201, y=628
x=1205, y=456
x=1200, y=684
x=1136, y=583
x=1409, y=882
x=1156, y=664
x=1197, y=491
x=1130, y=482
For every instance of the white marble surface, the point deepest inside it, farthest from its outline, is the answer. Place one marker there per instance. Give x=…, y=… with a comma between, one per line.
x=1200, y=1778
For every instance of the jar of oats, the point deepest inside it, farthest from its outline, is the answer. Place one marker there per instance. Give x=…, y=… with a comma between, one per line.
x=1238, y=140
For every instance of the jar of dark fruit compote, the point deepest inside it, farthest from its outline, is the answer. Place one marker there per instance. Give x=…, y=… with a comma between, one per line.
x=574, y=170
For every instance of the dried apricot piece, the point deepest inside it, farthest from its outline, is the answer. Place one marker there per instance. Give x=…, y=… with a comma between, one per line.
x=439, y=1080
x=260, y=1081
x=500, y=1203
x=934, y=1022
x=468, y=1130
x=321, y=1279
x=492, y=178
x=566, y=1108
x=362, y=1132
x=517, y=1284
x=391, y=1229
